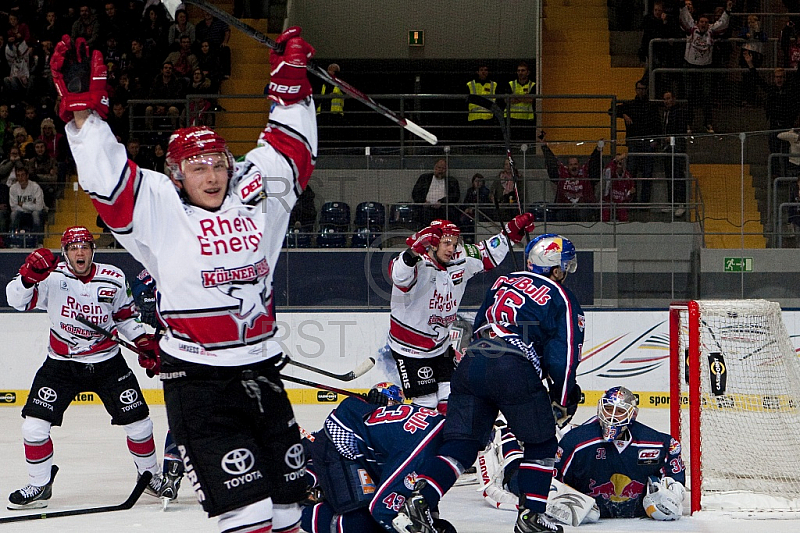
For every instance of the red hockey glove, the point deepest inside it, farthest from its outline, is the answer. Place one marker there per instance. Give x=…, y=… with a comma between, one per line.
x=79, y=81
x=288, y=82
x=37, y=267
x=149, y=354
x=519, y=225
x=424, y=239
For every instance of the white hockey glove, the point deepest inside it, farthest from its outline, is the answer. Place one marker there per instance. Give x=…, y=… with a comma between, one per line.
x=569, y=506
x=664, y=499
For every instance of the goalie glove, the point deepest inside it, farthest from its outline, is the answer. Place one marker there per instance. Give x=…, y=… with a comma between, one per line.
x=37, y=267
x=664, y=498
x=564, y=413
x=79, y=80
x=288, y=82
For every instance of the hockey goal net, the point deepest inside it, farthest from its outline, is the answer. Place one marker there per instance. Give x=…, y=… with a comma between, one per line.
x=734, y=404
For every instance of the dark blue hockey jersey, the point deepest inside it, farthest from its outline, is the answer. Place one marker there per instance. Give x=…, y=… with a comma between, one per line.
x=615, y=476
x=542, y=319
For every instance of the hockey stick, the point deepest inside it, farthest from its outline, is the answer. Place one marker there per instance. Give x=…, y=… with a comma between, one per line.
x=141, y=484
x=115, y=338
x=344, y=392
x=346, y=88
x=358, y=371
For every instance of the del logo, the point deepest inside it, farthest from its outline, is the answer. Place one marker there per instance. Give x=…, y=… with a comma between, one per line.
x=327, y=396
x=106, y=294
x=250, y=186
x=457, y=276
x=649, y=454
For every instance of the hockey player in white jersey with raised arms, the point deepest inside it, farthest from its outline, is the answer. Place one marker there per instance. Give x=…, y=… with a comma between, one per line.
x=428, y=283
x=78, y=359
x=210, y=235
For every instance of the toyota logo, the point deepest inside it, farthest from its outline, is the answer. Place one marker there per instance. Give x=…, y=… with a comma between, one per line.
x=425, y=372
x=238, y=461
x=128, y=397
x=295, y=457
x=48, y=395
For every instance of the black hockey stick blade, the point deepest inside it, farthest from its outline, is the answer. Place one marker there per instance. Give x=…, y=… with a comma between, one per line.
x=301, y=381
x=141, y=484
x=358, y=371
x=316, y=70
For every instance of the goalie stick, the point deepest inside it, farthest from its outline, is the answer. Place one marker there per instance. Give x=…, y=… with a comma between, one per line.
x=316, y=70
x=302, y=381
x=358, y=371
x=138, y=489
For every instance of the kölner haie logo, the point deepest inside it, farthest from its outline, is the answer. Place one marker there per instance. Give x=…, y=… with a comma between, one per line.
x=327, y=396
x=8, y=397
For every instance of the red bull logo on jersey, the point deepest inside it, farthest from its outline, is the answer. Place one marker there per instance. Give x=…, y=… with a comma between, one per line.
x=619, y=489
x=221, y=276
x=674, y=447
x=410, y=480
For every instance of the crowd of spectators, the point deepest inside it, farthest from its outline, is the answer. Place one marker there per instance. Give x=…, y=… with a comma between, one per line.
x=148, y=57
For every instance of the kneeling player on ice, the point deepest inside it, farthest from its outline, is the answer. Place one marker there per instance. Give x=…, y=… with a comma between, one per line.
x=78, y=359
x=211, y=236
x=630, y=469
x=363, y=462
x=428, y=284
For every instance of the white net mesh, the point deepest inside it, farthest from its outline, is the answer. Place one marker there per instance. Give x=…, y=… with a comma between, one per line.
x=749, y=417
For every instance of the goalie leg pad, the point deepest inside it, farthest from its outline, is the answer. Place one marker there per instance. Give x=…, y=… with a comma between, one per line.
x=569, y=506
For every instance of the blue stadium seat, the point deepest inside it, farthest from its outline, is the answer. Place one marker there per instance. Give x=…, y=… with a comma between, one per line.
x=370, y=214
x=401, y=216
x=331, y=237
x=336, y=215
x=365, y=237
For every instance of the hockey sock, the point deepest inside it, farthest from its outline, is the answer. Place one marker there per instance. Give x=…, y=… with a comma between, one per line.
x=38, y=450
x=444, y=469
x=286, y=518
x=535, y=474
x=253, y=518
x=142, y=446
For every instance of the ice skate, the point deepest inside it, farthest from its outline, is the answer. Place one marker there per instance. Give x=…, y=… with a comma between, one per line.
x=415, y=516
x=529, y=522
x=155, y=486
x=30, y=497
x=171, y=482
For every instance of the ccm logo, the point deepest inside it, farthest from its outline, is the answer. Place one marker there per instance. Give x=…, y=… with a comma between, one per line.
x=649, y=454
x=284, y=89
x=252, y=187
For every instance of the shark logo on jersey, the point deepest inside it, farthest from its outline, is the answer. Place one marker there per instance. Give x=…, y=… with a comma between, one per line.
x=249, y=301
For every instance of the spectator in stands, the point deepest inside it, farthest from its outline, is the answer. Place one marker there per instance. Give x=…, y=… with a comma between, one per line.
x=7, y=172
x=698, y=56
x=44, y=170
x=52, y=28
x=32, y=123
x=793, y=138
x=304, y=212
x=136, y=154
x=5, y=210
x=120, y=91
x=330, y=111
x=790, y=46
x=199, y=108
x=180, y=28
x=138, y=64
x=208, y=61
x=477, y=194
x=158, y=160
x=165, y=86
x=18, y=30
x=184, y=61
x=5, y=68
x=55, y=143
x=520, y=109
x=754, y=43
x=114, y=23
x=782, y=109
x=6, y=130
x=154, y=31
x=119, y=121
x=618, y=189
x=112, y=56
x=26, y=198
x=42, y=88
x=641, y=128
x=24, y=142
x=673, y=124
x=217, y=33
x=17, y=54
x=574, y=185
x=87, y=26
x=504, y=193
x=658, y=25
x=479, y=115
x=437, y=191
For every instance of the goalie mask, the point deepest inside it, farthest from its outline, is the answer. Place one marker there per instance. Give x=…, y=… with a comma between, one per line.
x=78, y=261
x=386, y=393
x=548, y=251
x=195, y=145
x=616, y=410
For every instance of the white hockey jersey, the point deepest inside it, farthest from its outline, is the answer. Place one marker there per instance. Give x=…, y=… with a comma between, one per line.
x=425, y=297
x=102, y=297
x=213, y=269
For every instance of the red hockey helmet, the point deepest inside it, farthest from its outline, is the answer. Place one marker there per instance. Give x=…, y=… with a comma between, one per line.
x=194, y=143
x=76, y=234
x=447, y=227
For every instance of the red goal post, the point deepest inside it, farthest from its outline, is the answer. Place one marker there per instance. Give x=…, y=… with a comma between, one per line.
x=735, y=404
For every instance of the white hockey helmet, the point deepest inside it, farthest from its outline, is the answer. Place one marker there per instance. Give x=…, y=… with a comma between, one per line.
x=550, y=250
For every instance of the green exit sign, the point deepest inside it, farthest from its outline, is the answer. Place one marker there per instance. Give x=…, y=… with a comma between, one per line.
x=738, y=264
x=416, y=38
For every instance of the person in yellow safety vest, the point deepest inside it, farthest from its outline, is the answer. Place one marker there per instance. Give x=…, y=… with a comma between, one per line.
x=330, y=112
x=520, y=110
x=482, y=86
x=334, y=105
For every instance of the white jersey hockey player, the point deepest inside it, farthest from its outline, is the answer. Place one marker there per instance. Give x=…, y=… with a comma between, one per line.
x=211, y=238
x=428, y=284
x=78, y=359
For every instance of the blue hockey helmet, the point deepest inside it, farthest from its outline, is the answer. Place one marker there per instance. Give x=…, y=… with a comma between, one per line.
x=386, y=393
x=616, y=410
x=550, y=250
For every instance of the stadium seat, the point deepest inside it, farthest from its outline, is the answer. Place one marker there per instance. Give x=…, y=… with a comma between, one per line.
x=336, y=215
x=370, y=214
x=401, y=216
x=331, y=237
